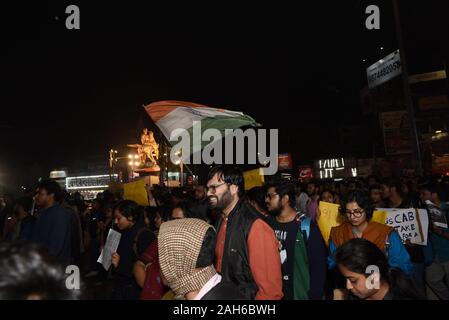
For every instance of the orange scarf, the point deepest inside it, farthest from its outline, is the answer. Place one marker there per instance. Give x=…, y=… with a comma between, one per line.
x=375, y=232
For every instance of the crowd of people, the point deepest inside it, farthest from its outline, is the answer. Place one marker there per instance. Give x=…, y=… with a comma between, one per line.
x=220, y=241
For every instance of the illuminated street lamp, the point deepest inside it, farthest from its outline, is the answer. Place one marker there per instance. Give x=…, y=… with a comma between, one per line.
x=113, y=159
x=133, y=162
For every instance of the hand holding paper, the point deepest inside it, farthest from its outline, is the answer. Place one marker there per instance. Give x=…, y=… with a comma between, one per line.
x=110, y=248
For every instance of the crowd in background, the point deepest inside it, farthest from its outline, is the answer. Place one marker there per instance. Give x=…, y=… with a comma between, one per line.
x=220, y=241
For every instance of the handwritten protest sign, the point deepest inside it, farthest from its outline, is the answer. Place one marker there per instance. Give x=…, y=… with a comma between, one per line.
x=411, y=224
x=253, y=178
x=136, y=191
x=436, y=215
x=329, y=217
x=111, y=245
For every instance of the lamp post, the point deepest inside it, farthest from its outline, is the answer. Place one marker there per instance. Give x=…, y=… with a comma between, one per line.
x=112, y=160
x=407, y=93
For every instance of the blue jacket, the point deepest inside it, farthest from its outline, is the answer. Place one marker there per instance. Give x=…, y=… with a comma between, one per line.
x=52, y=229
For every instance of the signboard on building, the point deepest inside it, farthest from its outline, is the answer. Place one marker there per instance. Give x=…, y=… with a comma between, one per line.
x=305, y=173
x=440, y=164
x=428, y=76
x=58, y=174
x=88, y=182
x=384, y=70
x=285, y=161
x=433, y=103
x=334, y=168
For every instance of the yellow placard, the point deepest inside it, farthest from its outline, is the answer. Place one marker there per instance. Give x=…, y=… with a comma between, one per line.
x=329, y=217
x=136, y=191
x=379, y=216
x=253, y=178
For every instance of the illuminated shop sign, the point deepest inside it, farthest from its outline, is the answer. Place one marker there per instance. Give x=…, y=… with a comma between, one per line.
x=335, y=168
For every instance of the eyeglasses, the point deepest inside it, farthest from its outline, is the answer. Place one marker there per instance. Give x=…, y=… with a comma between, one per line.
x=213, y=188
x=356, y=213
x=271, y=195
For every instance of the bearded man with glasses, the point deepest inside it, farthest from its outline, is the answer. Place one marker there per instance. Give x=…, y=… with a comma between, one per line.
x=246, y=252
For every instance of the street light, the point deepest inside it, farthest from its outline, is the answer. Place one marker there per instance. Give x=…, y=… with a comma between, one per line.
x=181, y=167
x=113, y=159
x=133, y=162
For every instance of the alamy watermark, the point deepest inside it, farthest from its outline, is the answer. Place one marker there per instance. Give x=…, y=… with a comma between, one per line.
x=372, y=22
x=73, y=20
x=72, y=282
x=373, y=280
x=191, y=143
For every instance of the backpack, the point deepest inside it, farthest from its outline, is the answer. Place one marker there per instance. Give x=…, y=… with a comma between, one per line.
x=305, y=226
x=301, y=271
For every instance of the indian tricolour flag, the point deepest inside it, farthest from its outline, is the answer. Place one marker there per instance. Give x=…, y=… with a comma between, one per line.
x=171, y=115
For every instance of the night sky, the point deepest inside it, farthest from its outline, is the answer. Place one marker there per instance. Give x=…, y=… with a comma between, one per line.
x=69, y=95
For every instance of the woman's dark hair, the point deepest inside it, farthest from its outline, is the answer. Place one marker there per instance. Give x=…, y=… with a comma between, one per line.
x=164, y=212
x=258, y=194
x=207, y=251
x=28, y=272
x=358, y=254
x=130, y=209
x=230, y=175
x=362, y=200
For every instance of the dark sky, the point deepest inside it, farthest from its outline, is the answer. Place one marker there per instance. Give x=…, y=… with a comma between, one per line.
x=72, y=94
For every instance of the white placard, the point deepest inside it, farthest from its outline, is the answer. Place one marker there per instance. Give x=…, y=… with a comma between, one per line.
x=408, y=224
x=109, y=248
